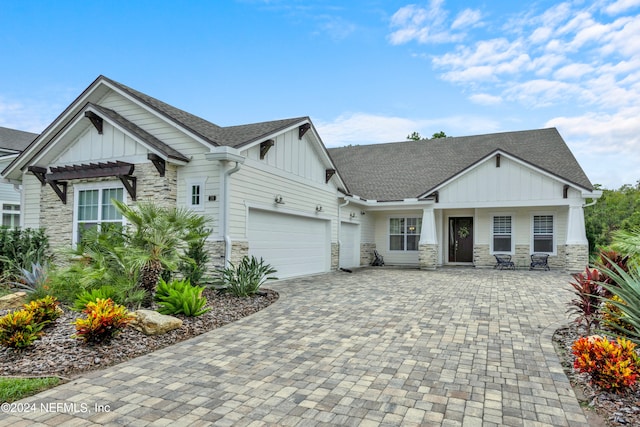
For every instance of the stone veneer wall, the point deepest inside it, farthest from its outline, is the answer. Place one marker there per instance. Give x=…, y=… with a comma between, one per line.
x=335, y=256
x=239, y=250
x=366, y=253
x=428, y=257
x=577, y=257
x=57, y=218
x=215, y=250
x=522, y=257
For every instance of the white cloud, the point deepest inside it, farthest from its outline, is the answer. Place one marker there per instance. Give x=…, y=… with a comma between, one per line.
x=428, y=25
x=485, y=99
x=621, y=6
x=365, y=128
x=28, y=116
x=467, y=18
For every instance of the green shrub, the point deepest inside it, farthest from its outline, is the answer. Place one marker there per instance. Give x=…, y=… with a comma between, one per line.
x=19, y=329
x=46, y=309
x=92, y=295
x=105, y=319
x=194, y=264
x=246, y=278
x=179, y=297
x=20, y=248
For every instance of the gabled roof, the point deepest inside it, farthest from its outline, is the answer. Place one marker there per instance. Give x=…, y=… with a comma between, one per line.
x=409, y=169
x=232, y=136
x=15, y=140
x=206, y=132
x=139, y=133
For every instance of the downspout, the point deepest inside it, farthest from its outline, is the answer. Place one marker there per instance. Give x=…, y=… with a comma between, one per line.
x=226, y=208
x=225, y=155
x=339, y=227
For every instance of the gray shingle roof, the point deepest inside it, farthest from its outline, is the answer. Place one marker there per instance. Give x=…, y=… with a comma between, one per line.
x=140, y=133
x=233, y=136
x=15, y=140
x=408, y=169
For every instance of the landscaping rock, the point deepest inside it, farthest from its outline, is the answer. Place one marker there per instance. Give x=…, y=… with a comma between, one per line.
x=151, y=322
x=11, y=301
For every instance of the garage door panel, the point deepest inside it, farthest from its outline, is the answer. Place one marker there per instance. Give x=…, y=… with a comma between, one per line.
x=294, y=245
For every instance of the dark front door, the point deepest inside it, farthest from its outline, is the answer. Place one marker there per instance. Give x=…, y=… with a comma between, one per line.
x=461, y=239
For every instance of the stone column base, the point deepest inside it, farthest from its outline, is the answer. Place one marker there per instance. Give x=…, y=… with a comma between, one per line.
x=428, y=257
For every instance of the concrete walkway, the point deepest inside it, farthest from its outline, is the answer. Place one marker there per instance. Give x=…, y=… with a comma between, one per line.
x=377, y=347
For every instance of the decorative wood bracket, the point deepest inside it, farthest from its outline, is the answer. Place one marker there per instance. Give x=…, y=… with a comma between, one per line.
x=565, y=191
x=436, y=195
x=129, y=183
x=158, y=162
x=39, y=173
x=497, y=160
x=60, y=188
x=265, y=146
x=95, y=119
x=302, y=129
x=329, y=173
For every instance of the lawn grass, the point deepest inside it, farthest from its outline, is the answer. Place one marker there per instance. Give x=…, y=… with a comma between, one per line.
x=12, y=389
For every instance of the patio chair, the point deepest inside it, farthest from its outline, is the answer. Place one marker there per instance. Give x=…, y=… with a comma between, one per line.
x=504, y=261
x=539, y=261
x=378, y=260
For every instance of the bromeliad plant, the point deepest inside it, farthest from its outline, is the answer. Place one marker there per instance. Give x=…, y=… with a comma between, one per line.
x=246, y=278
x=179, y=297
x=105, y=319
x=587, y=303
x=612, y=365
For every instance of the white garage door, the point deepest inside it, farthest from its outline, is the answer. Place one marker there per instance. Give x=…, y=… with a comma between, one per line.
x=350, y=245
x=294, y=245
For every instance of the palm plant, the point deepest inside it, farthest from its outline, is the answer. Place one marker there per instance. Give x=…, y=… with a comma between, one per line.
x=158, y=238
x=628, y=242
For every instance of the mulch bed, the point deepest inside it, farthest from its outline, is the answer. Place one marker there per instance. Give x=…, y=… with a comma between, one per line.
x=611, y=409
x=57, y=354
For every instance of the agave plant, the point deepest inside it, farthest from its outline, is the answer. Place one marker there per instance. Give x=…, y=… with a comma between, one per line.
x=34, y=280
x=246, y=278
x=627, y=289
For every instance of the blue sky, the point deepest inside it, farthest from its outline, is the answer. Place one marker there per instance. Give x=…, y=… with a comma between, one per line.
x=364, y=71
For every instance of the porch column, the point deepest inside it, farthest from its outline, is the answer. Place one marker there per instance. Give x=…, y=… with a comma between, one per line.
x=577, y=245
x=428, y=245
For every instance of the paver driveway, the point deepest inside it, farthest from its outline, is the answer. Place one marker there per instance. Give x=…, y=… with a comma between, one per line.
x=379, y=346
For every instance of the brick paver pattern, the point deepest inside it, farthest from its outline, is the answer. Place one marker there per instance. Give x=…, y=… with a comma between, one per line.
x=453, y=347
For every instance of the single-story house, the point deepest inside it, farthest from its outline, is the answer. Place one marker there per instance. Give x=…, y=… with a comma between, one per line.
x=12, y=143
x=273, y=190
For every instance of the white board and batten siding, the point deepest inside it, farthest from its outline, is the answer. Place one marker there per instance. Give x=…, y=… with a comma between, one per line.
x=294, y=245
x=511, y=184
x=111, y=145
x=165, y=131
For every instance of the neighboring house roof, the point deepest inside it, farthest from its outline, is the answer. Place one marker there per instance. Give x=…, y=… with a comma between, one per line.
x=233, y=136
x=15, y=140
x=409, y=169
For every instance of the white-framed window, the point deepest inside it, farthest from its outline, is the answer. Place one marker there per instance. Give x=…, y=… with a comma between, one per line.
x=404, y=233
x=10, y=215
x=502, y=234
x=93, y=206
x=195, y=193
x=543, y=237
